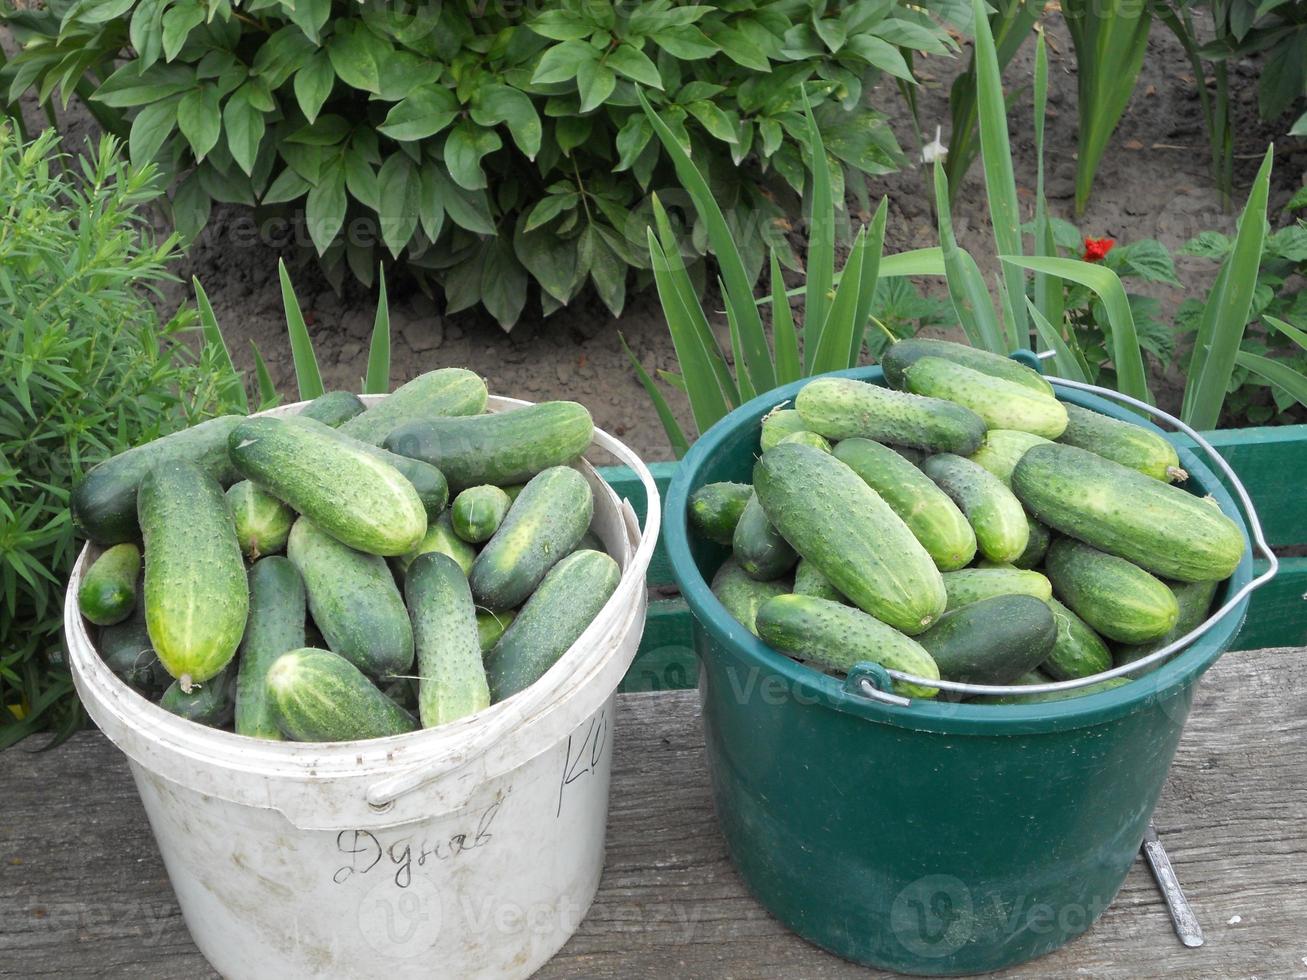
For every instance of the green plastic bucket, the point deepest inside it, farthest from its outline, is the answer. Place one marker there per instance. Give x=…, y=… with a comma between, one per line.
x=934, y=838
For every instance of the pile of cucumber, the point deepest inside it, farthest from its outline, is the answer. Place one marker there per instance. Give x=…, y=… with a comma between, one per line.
x=348, y=572
x=963, y=524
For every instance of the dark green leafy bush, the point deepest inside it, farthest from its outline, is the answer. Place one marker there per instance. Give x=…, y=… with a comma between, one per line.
x=86, y=369
x=492, y=146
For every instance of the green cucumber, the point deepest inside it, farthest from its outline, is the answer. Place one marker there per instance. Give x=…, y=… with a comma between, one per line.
x=830, y=516
x=1002, y=404
x=779, y=423
x=440, y=537
x=1047, y=696
x=1001, y=449
x=446, y=392
x=358, y=499
x=262, y=521
x=900, y=355
x=841, y=408
x=107, y=594
x=715, y=509
x=834, y=636
x=742, y=595
x=995, y=515
x=353, y=600
x=1194, y=600
x=1036, y=545
x=808, y=438
x=968, y=585
x=451, y=678
x=758, y=547
x=126, y=649
x=558, y=612
x=1123, y=442
x=808, y=580
x=1159, y=527
x=276, y=625
x=1025, y=680
x=993, y=641
x=513, y=490
x=103, y=503
x=334, y=408
x=506, y=447
x=491, y=626
x=477, y=513
x=591, y=542
x=208, y=704
x=319, y=696
x=195, y=590
x=544, y=524
x=928, y=511
x=1079, y=651
x=1117, y=598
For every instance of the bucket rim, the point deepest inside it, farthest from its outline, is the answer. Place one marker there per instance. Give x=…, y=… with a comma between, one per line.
x=1174, y=678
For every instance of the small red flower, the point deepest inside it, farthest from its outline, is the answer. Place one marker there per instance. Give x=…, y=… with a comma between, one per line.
x=1097, y=248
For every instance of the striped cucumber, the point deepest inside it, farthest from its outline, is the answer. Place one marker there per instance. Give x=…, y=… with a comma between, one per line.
x=758, y=547
x=1078, y=651
x=1123, y=512
x=928, y=511
x=841, y=408
x=544, y=524
x=208, y=704
x=1130, y=445
x=555, y=616
x=477, y=513
x=319, y=696
x=968, y=585
x=995, y=515
x=831, y=517
x=779, y=423
x=1117, y=598
x=742, y=595
x=195, y=590
x=334, y=408
x=107, y=594
x=440, y=537
x=993, y=641
x=834, y=636
x=353, y=600
x=276, y=625
x=262, y=521
x=900, y=355
x=1002, y=448
x=715, y=509
x=491, y=625
x=1194, y=600
x=1002, y=404
x=1036, y=545
x=808, y=580
x=452, y=680
x=506, y=447
x=448, y=391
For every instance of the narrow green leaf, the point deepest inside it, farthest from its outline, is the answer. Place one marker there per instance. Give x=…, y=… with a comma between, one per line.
x=966, y=286
x=1297, y=335
x=1049, y=294
x=821, y=243
x=377, y=381
x=301, y=347
x=834, y=341
x=1277, y=373
x=867, y=281
x=213, y=338
x=784, y=339
x=746, y=387
x=267, y=390
x=1066, y=363
x=914, y=262
x=675, y=435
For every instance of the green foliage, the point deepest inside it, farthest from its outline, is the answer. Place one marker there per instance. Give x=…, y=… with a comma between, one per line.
x=87, y=369
x=1277, y=32
x=496, y=149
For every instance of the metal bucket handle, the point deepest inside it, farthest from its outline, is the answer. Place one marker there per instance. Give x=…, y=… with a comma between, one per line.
x=867, y=687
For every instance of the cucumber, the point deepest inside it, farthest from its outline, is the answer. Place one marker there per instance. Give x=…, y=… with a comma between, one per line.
x=1079, y=651
x=209, y=703
x=901, y=354
x=353, y=600
x=478, y=511
x=491, y=626
x=1036, y=545
x=513, y=490
x=808, y=438
x=927, y=510
x=333, y=408
x=1194, y=600
x=995, y=515
x=319, y=696
x=403, y=691
x=440, y=537
x=544, y=524
x=1080, y=692
x=107, y=594
x=276, y=625
x=834, y=636
x=126, y=649
x=506, y=447
x=1002, y=404
x=1119, y=510
x=361, y=501
x=1130, y=445
x=968, y=585
x=715, y=509
x=1002, y=448
x=262, y=521
x=742, y=595
x=1118, y=599
x=758, y=547
x=195, y=589
x=808, y=580
x=913, y=456
x=558, y=612
x=779, y=423
x=103, y=503
x=451, y=678
x=841, y=408
x=993, y=641
x=448, y=391
x=590, y=542
x=831, y=517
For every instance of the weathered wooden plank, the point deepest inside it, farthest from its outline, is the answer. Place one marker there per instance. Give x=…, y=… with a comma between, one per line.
x=86, y=895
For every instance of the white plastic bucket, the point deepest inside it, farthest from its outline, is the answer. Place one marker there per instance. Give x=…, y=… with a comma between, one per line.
x=470, y=850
